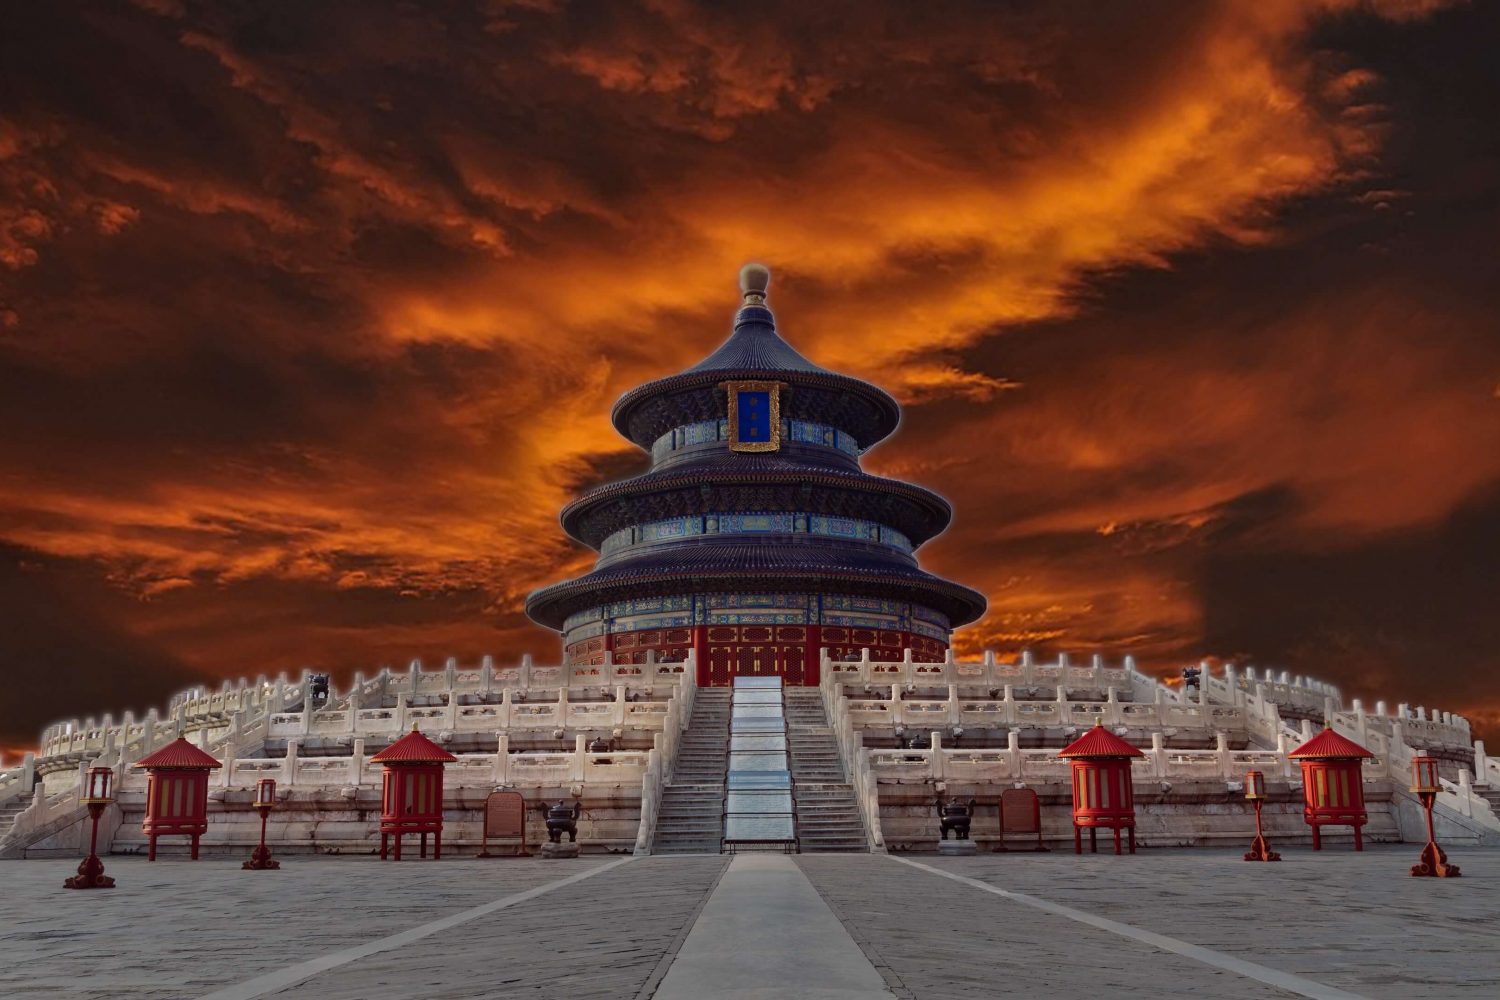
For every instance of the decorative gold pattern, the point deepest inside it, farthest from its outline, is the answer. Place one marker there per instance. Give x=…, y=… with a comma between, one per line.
x=774, y=390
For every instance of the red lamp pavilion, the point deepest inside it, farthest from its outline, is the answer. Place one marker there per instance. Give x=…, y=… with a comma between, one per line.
x=176, y=793
x=1103, y=794
x=96, y=795
x=1426, y=786
x=1333, y=789
x=411, y=791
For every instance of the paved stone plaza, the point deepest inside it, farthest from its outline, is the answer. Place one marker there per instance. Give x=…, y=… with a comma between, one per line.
x=1160, y=923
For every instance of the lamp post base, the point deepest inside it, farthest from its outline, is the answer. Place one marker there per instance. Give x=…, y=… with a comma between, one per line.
x=1434, y=863
x=261, y=860
x=90, y=876
x=1260, y=850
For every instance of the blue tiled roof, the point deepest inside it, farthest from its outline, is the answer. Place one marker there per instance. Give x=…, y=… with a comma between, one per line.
x=756, y=346
x=730, y=564
x=925, y=514
x=755, y=350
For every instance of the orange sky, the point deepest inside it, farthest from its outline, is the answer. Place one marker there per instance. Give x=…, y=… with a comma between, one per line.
x=311, y=319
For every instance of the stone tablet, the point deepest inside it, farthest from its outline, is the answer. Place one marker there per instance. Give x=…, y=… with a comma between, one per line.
x=505, y=819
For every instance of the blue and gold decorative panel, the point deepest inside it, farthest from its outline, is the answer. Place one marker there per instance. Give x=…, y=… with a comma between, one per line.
x=755, y=522
x=713, y=431
x=754, y=416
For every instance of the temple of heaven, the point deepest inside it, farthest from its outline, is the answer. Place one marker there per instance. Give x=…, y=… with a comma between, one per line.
x=755, y=538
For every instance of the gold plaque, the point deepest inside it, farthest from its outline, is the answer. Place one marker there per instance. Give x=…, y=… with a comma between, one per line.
x=754, y=416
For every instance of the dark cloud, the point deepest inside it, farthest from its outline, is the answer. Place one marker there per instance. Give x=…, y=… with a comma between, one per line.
x=311, y=315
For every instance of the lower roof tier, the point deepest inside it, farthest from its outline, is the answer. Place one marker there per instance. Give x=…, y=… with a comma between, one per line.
x=737, y=482
x=731, y=565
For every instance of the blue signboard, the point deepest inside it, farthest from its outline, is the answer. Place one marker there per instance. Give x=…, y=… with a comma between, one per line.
x=754, y=416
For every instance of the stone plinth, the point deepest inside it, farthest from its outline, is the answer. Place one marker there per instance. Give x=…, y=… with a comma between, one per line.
x=957, y=848
x=562, y=850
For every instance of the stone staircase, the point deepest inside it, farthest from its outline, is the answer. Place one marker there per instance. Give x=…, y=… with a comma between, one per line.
x=691, y=819
x=8, y=811
x=827, y=813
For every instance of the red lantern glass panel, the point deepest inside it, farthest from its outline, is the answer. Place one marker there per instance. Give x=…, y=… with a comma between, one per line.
x=1425, y=775
x=265, y=793
x=98, y=784
x=1255, y=785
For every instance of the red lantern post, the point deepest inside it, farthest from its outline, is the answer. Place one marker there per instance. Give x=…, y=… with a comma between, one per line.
x=1333, y=789
x=1426, y=786
x=411, y=791
x=1255, y=791
x=265, y=801
x=96, y=795
x=1103, y=793
x=176, y=793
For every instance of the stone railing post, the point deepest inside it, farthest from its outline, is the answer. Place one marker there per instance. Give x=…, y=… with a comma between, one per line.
x=450, y=673
x=1112, y=706
x=525, y=673
x=935, y=756
x=1028, y=669
x=486, y=674
x=1466, y=791
x=1481, y=765
x=28, y=769
x=580, y=758
x=1013, y=753
x=1226, y=759
x=1010, y=706
x=502, y=758
x=897, y=710
x=289, y=763
x=506, y=704
x=357, y=763
x=1281, y=754
x=401, y=699
x=1158, y=755
x=619, y=713
x=955, y=713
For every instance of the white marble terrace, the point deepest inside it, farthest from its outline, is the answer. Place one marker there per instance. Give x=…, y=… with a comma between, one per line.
x=528, y=727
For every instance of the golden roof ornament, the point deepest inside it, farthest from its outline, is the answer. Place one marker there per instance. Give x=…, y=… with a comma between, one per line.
x=754, y=280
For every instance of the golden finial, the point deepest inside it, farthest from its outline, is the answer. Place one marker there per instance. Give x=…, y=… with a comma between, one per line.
x=754, y=280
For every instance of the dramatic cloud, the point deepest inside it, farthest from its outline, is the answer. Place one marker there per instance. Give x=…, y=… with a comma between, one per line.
x=311, y=315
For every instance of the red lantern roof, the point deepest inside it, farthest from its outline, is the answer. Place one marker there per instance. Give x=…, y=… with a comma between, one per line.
x=1099, y=742
x=178, y=754
x=1329, y=745
x=413, y=748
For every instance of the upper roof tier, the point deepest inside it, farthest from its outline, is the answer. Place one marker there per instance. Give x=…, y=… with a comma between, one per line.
x=755, y=350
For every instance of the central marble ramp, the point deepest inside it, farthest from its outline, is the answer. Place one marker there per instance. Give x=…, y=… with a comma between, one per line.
x=758, y=810
x=766, y=933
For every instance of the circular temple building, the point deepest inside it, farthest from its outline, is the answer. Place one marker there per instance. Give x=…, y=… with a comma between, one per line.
x=755, y=538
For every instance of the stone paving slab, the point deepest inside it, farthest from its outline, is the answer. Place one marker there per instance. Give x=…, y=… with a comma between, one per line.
x=935, y=939
x=1355, y=922
x=1358, y=921
x=174, y=929
x=601, y=938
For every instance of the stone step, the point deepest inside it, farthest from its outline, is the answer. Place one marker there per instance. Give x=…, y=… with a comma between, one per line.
x=827, y=809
